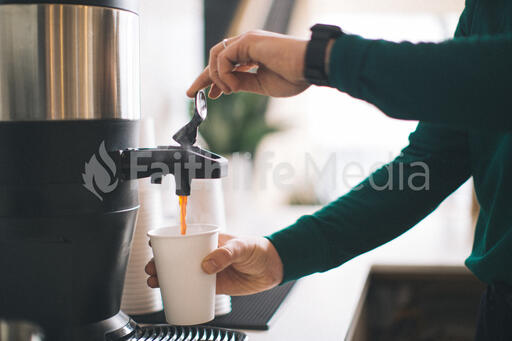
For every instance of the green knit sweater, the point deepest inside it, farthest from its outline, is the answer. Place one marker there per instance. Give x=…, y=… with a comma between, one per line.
x=461, y=92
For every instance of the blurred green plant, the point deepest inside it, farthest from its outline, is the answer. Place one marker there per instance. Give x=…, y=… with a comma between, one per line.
x=236, y=123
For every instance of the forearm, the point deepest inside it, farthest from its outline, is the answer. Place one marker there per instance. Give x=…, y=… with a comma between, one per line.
x=464, y=82
x=385, y=205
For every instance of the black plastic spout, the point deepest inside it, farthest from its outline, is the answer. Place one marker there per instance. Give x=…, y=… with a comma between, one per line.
x=187, y=135
x=184, y=162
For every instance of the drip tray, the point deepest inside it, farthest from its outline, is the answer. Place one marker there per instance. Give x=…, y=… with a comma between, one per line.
x=175, y=333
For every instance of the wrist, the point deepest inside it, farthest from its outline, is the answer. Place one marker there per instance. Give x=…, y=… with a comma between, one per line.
x=274, y=263
x=300, y=62
x=318, y=51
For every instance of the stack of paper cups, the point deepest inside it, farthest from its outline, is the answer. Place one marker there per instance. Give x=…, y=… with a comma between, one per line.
x=138, y=298
x=206, y=206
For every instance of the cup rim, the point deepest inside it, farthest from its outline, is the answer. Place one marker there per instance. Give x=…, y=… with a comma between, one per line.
x=153, y=232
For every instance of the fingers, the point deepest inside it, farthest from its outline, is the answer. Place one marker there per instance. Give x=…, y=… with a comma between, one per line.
x=229, y=65
x=151, y=268
x=200, y=83
x=153, y=282
x=210, y=74
x=213, y=68
x=237, y=70
x=215, y=92
x=235, y=58
x=246, y=67
x=232, y=251
x=247, y=82
x=224, y=70
x=224, y=284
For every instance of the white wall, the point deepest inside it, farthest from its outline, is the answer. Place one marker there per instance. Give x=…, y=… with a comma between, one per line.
x=171, y=57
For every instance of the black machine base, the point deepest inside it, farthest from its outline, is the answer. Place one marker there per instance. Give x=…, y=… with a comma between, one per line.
x=129, y=330
x=175, y=333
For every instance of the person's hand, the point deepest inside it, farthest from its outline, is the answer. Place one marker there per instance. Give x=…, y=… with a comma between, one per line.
x=278, y=60
x=243, y=265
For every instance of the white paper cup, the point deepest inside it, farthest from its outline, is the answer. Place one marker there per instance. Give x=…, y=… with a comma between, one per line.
x=188, y=292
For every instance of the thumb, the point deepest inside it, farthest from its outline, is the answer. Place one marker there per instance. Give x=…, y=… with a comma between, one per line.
x=233, y=251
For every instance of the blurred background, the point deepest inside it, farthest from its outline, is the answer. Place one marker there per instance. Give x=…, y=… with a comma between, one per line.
x=290, y=156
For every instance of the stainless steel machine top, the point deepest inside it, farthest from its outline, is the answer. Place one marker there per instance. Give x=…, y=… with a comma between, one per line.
x=68, y=61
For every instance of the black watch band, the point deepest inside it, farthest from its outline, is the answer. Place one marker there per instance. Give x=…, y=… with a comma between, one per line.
x=314, y=69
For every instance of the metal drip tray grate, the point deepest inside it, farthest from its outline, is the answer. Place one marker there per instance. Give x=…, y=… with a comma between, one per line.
x=174, y=333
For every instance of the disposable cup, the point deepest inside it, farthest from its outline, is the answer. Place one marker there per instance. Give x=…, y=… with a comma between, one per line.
x=188, y=293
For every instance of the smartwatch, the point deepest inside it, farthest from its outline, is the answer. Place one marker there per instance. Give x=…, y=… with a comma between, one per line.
x=314, y=69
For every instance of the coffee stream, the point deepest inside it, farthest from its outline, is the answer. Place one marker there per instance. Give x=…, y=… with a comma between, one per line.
x=186, y=137
x=183, y=214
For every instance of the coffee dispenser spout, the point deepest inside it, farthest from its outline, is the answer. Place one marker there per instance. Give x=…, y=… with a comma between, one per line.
x=185, y=163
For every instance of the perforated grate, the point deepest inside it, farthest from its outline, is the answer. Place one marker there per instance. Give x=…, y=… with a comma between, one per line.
x=174, y=333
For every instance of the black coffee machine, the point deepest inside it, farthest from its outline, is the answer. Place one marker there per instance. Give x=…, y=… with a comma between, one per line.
x=69, y=111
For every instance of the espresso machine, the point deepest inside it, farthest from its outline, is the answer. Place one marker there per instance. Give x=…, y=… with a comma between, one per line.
x=69, y=111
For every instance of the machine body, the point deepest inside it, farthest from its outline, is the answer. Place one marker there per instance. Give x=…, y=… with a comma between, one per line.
x=69, y=84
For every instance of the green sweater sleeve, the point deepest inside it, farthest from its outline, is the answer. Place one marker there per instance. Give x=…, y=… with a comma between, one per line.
x=382, y=207
x=463, y=82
